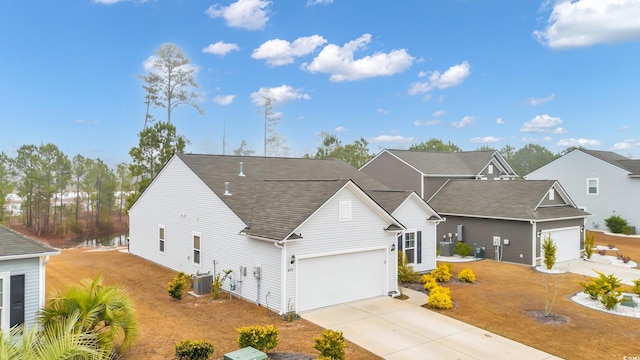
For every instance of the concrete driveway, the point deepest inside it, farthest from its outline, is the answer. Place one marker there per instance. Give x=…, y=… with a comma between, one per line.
x=584, y=267
x=402, y=329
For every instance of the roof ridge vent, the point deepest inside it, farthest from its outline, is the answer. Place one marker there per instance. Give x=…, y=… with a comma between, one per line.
x=241, y=169
x=226, y=189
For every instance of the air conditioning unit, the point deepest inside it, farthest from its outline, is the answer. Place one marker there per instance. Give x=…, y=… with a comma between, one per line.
x=202, y=284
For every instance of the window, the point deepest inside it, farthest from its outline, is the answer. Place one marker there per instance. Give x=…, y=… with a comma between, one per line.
x=552, y=194
x=593, y=187
x=196, y=249
x=410, y=246
x=345, y=211
x=4, y=301
x=161, y=239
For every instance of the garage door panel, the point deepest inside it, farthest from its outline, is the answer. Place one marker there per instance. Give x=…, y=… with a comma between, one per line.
x=567, y=242
x=329, y=280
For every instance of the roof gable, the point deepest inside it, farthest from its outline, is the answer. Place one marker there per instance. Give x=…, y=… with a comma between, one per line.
x=16, y=245
x=623, y=162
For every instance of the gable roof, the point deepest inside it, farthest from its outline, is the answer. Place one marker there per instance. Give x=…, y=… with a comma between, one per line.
x=391, y=200
x=14, y=245
x=623, y=162
x=463, y=163
x=276, y=195
x=514, y=200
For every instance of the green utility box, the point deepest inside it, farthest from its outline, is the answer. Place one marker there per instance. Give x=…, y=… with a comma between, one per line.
x=247, y=353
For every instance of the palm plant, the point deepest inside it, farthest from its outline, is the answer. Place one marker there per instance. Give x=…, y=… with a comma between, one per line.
x=59, y=341
x=104, y=310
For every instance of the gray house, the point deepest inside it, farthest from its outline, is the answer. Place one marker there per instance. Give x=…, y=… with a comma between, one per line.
x=510, y=219
x=425, y=172
x=22, y=278
x=298, y=234
x=601, y=182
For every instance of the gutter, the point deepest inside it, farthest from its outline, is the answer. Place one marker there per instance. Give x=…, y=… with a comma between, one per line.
x=28, y=256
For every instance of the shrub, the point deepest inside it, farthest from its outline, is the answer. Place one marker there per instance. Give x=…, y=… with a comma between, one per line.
x=258, y=337
x=616, y=224
x=330, y=344
x=549, y=249
x=606, y=288
x=442, y=273
x=406, y=273
x=636, y=287
x=428, y=281
x=588, y=246
x=627, y=230
x=194, y=350
x=602, y=252
x=463, y=249
x=610, y=300
x=440, y=298
x=611, y=246
x=177, y=286
x=467, y=275
x=218, y=281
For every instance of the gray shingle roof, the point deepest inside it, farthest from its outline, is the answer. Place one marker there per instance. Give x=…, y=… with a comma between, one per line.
x=14, y=244
x=623, y=162
x=500, y=199
x=464, y=163
x=275, y=195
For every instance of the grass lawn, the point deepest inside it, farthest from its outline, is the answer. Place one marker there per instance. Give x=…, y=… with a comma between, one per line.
x=499, y=302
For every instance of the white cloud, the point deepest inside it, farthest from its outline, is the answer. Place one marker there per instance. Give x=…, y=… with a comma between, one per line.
x=280, y=95
x=438, y=113
x=623, y=128
x=485, y=140
x=279, y=52
x=86, y=122
x=455, y=75
x=589, y=22
x=319, y=2
x=220, y=48
x=340, y=63
x=579, y=142
x=499, y=121
x=427, y=123
x=340, y=129
x=244, y=14
x=546, y=138
x=621, y=146
x=539, y=101
x=383, y=111
x=466, y=121
x=107, y=2
x=541, y=124
x=224, y=99
x=422, y=74
x=559, y=130
x=391, y=138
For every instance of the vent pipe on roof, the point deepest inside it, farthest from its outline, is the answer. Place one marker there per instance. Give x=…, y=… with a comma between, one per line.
x=241, y=169
x=226, y=188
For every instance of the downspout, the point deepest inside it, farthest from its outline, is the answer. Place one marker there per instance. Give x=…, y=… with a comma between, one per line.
x=283, y=287
x=534, y=237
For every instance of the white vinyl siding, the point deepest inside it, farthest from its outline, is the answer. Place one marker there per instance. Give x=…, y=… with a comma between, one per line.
x=161, y=243
x=31, y=269
x=414, y=216
x=593, y=187
x=4, y=300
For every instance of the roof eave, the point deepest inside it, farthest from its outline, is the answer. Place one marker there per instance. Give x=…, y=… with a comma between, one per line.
x=28, y=256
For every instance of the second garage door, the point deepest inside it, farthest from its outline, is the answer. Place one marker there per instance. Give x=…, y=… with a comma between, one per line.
x=329, y=280
x=567, y=241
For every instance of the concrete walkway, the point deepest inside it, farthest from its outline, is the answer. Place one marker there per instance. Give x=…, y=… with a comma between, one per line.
x=402, y=329
x=584, y=267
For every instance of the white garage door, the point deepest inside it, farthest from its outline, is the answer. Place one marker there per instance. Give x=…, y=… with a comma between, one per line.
x=567, y=241
x=335, y=279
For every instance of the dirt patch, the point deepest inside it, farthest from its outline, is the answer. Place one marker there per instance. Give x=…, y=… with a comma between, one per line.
x=551, y=319
x=163, y=321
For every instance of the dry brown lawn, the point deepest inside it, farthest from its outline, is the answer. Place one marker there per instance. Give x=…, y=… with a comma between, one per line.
x=164, y=321
x=499, y=302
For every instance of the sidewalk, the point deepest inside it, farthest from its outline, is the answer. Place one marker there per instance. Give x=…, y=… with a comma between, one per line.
x=402, y=329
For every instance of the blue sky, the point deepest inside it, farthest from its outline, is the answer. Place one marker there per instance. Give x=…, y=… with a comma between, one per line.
x=474, y=72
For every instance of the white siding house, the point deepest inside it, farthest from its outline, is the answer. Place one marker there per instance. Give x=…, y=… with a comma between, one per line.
x=298, y=234
x=601, y=182
x=22, y=278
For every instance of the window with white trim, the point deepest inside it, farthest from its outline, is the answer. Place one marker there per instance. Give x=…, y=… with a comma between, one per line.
x=410, y=246
x=4, y=300
x=196, y=248
x=593, y=186
x=345, y=211
x=161, y=239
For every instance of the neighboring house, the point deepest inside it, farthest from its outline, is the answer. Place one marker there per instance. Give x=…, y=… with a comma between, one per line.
x=22, y=278
x=425, y=172
x=510, y=219
x=602, y=182
x=298, y=234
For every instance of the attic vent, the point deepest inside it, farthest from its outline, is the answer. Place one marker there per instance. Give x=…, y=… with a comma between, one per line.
x=241, y=169
x=226, y=188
